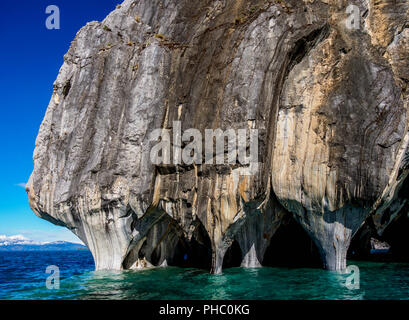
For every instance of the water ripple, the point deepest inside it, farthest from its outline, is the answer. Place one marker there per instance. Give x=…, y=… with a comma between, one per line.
x=22, y=276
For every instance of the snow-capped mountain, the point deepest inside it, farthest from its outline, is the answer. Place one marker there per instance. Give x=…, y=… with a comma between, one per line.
x=18, y=239
x=21, y=243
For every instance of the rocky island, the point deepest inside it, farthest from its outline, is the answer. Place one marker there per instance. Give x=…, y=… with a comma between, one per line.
x=324, y=83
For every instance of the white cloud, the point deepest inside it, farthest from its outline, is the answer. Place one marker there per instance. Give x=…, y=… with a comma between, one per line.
x=17, y=239
x=59, y=234
x=22, y=185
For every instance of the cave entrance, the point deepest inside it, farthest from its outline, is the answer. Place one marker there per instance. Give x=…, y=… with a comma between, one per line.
x=291, y=247
x=196, y=253
x=233, y=256
x=157, y=248
x=131, y=260
x=166, y=245
x=367, y=245
x=397, y=236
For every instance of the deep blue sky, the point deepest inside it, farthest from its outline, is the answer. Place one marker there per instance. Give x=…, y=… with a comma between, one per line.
x=30, y=58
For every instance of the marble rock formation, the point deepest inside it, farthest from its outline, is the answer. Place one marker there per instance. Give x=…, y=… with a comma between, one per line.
x=328, y=95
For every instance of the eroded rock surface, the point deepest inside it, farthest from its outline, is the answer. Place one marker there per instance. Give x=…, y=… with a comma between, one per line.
x=329, y=102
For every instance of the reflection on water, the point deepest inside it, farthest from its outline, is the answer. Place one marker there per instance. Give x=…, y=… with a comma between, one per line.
x=236, y=283
x=377, y=281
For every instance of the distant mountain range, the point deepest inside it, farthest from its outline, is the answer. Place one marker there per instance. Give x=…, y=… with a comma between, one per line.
x=20, y=243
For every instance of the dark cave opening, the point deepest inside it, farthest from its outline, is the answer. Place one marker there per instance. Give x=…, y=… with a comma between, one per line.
x=392, y=246
x=360, y=247
x=196, y=253
x=397, y=235
x=184, y=253
x=155, y=256
x=133, y=256
x=233, y=256
x=165, y=244
x=291, y=247
x=180, y=254
x=200, y=250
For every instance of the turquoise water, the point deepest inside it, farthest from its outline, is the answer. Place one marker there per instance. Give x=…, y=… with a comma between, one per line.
x=22, y=276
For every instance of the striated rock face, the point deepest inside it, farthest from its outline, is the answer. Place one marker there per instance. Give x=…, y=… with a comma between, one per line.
x=329, y=102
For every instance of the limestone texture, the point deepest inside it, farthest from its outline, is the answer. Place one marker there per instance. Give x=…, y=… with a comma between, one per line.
x=329, y=102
